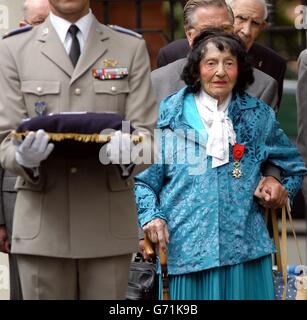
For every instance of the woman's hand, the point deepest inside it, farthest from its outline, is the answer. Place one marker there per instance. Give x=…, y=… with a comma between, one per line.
x=271, y=193
x=142, y=250
x=157, y=232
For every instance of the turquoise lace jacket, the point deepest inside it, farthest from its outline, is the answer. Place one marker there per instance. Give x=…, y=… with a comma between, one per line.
x=212, y=217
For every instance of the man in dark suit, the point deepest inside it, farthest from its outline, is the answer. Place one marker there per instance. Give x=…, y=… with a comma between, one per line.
x=301, y=99
x=269, y=62
x=173, y=51
x=35, y=12
x=249, y=21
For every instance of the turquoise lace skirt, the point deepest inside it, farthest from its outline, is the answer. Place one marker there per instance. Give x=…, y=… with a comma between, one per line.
x=251, y=280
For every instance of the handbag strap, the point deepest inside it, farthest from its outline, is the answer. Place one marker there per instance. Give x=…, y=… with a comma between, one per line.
x=275, y=236
x=299, y=252
x=282, y=252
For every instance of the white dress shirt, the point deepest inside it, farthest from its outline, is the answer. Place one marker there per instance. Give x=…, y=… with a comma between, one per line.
x=61, y=26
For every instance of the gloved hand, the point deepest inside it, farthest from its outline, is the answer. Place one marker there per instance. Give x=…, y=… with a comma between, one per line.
x=119, y=148
x=34, y=149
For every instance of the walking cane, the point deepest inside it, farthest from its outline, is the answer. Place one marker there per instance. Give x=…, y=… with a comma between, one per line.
x=165, y=280
x=148, y=247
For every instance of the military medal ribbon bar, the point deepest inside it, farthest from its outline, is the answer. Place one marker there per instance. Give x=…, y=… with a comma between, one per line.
x=110, y=73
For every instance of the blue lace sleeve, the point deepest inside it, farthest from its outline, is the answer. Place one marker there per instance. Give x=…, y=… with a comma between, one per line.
x=148, y=185
x=283, y=153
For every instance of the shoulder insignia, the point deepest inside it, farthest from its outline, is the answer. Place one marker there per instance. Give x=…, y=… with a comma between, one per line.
x=124, y=30
x=17, y=31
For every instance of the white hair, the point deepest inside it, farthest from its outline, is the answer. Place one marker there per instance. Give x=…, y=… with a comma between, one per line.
x=34, y=4
x=263, y=2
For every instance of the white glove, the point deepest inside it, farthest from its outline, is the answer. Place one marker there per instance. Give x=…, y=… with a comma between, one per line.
x=119, y=148
x=34, y=149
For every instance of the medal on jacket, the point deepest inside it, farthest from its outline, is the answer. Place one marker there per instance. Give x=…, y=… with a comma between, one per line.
x=41, y=108
x=110, y=70
x=110, y=73
x=109, y=63
x=238, y=153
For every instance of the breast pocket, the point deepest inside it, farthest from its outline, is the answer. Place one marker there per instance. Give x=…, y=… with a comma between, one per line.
x=111, y=95
x=41, y=96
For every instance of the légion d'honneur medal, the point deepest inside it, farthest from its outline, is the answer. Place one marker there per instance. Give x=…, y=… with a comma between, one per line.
x=238, y=153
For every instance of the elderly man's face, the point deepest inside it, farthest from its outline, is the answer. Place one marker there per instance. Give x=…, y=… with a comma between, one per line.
x=209, y=16
x=37, y=11
x=71, y=10
x=249, y=20
x=218, y=72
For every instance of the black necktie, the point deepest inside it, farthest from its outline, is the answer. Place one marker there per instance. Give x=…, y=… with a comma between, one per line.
x=75, y=45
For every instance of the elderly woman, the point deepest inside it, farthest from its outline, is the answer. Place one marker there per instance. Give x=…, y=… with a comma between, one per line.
x=197, y=200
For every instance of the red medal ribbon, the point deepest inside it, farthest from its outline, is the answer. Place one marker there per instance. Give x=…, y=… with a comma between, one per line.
x=238, y=151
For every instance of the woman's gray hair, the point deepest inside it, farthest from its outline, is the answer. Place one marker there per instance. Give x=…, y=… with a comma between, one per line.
x=263, y=2
x=192, y=5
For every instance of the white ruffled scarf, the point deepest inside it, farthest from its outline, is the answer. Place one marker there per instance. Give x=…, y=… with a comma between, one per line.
x=219, y=127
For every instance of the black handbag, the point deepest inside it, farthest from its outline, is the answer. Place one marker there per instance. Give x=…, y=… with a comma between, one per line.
x=142, y=283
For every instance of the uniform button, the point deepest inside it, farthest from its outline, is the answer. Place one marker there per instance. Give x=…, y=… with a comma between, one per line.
x=113, y=89
x=73, y=170
x=39, y=89
x=77, y=91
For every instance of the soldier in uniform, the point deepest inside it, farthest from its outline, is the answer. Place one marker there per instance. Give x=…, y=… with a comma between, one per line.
x=35, y=12
x=75, y=220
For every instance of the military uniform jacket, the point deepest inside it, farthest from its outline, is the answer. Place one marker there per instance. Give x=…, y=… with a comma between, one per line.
x=78, y=208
